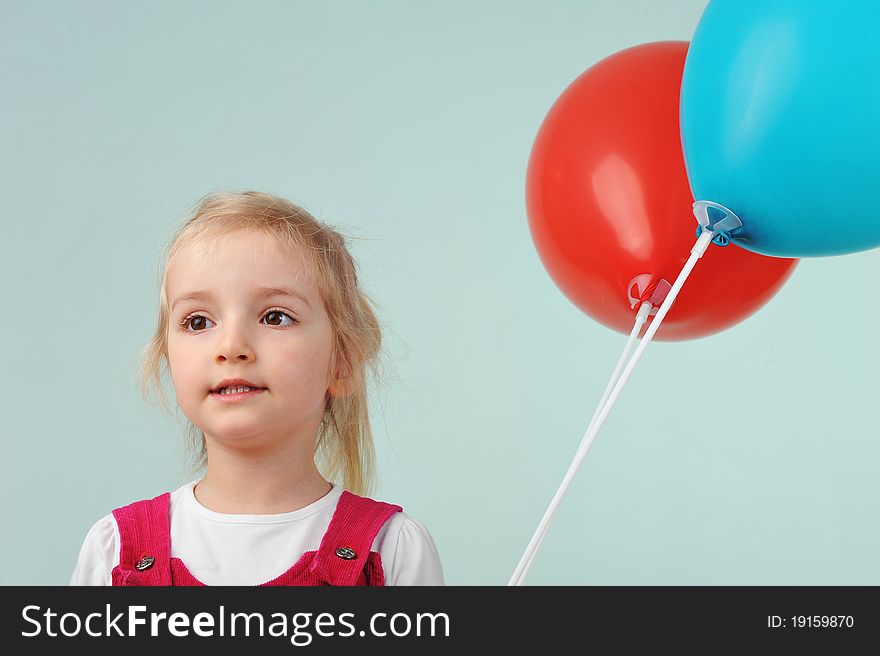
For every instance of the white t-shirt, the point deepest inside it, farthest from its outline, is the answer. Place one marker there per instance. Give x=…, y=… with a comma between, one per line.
x=224, y=549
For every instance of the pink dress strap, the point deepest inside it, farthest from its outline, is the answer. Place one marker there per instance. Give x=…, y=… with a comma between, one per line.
x=145, y=547
x=344, y=556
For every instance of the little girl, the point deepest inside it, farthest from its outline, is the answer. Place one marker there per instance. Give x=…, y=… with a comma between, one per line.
x=267, y=336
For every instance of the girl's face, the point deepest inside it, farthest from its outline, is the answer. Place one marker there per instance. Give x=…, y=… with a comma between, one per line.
x=225, y=322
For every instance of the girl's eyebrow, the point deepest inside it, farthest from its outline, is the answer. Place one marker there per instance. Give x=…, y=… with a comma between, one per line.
x=259, y=292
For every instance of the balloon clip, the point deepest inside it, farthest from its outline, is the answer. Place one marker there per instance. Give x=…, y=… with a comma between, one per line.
x=645, y=287
x=716, y=219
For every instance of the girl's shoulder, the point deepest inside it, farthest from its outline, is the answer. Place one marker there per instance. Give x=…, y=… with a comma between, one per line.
x=100, y=550
x=408, y=552
x=98, y=555
x=407, y=549
x=103, y=530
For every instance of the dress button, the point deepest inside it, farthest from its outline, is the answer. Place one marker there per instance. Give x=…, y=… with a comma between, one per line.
x=144, y=563
x=346, y=553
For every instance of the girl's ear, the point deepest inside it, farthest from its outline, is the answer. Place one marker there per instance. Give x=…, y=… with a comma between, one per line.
x=341, y=383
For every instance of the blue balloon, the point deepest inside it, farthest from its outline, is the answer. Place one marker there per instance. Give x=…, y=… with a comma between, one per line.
x=780, y=122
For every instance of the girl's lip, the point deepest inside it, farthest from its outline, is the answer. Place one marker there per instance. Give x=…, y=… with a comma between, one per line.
x=239, y=396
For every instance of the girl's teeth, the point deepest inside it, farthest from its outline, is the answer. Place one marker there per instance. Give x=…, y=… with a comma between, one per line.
x=236, y=390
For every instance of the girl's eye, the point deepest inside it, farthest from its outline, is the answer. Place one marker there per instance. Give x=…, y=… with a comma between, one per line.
x=194, y=318
x=279, y=314
x=196, y=321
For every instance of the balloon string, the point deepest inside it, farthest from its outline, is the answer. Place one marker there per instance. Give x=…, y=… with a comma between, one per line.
x=642, y=316
x=604, y=409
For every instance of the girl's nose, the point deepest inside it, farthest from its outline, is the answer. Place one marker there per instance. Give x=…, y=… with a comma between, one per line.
x=235, y=346
x=244, y=355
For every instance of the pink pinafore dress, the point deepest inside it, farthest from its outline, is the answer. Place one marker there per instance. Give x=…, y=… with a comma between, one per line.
x=343, y=558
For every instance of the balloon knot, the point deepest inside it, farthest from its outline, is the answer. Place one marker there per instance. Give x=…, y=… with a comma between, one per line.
x=721, y=238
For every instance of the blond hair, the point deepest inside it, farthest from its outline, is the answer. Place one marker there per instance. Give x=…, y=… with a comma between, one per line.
x=345, y=442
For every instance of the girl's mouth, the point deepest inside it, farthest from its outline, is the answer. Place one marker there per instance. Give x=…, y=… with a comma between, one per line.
x=224, y=397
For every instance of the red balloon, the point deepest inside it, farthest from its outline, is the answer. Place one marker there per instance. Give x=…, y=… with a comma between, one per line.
x=609, y=204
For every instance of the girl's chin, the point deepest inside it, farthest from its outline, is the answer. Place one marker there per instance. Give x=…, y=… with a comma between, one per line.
x=245, y=435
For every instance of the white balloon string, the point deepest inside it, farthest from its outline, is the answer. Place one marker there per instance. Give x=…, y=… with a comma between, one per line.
x=604, y=409
x=641, y=317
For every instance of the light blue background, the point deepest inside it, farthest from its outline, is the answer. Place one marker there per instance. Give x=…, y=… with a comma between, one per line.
x=748, y=457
